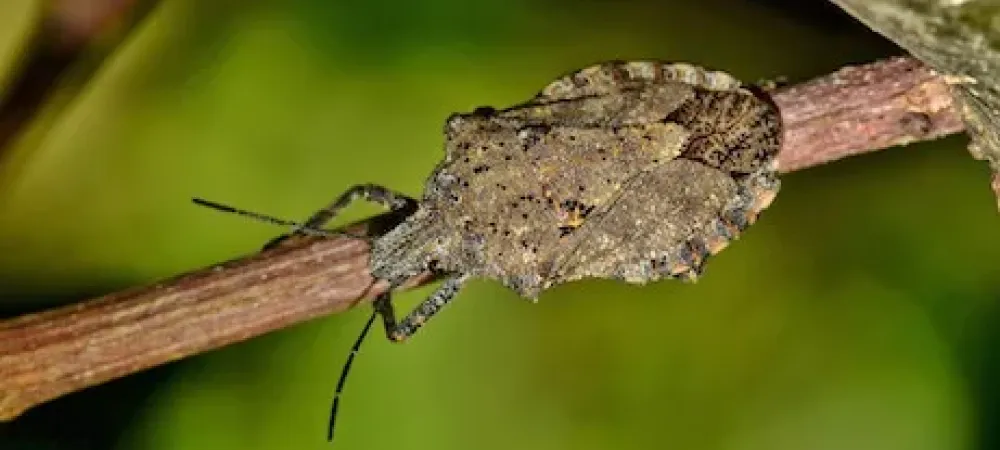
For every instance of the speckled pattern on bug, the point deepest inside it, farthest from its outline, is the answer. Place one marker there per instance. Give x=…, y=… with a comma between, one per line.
x=635, y=171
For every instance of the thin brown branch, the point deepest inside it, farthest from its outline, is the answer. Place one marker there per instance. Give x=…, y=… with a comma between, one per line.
x=862, y=109
x=50, y=354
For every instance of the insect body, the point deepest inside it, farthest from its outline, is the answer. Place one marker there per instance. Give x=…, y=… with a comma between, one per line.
x=635, y=171
x=629, y=170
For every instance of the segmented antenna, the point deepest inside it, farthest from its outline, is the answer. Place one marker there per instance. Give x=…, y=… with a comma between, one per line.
x=302, y=228
x=299, y=227
x=343, y=375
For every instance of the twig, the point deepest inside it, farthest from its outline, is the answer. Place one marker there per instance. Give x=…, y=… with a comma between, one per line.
x=862, y=109
x=49, y=354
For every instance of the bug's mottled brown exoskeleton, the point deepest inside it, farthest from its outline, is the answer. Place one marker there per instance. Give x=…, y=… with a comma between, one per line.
x=635, y=170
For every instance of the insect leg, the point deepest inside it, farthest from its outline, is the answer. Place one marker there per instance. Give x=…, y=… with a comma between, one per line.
x=398, y=332
x=383, y=307
x=395, y=331
x=392, y=200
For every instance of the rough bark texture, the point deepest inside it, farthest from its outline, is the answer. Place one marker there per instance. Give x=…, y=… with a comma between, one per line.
x=862, y=109
x=52, y=353
x=960, y=40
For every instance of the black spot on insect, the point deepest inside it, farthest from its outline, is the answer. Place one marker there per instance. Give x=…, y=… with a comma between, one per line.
x=484, y=111
x=531, y=135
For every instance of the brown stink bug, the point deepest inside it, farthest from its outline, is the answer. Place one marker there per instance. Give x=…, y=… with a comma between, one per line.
x=636, y=171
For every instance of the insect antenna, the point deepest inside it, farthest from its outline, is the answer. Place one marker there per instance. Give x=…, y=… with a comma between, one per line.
x=300, y=227
x=343, y=375
x=262, y=217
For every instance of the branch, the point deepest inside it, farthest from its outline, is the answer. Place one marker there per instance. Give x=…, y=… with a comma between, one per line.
x=951, y=37
x=52, y=353
x=862, y=109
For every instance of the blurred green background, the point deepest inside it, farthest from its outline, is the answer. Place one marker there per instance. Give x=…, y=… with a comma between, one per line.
x=859, y=313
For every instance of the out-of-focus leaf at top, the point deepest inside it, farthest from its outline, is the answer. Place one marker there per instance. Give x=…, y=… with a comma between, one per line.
x=960, y=39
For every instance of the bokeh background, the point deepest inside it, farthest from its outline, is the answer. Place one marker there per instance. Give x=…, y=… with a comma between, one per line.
x=859, y=313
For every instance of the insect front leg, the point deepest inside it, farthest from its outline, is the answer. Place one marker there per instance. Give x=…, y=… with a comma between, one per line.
x=392, y=200
x=398, y=332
